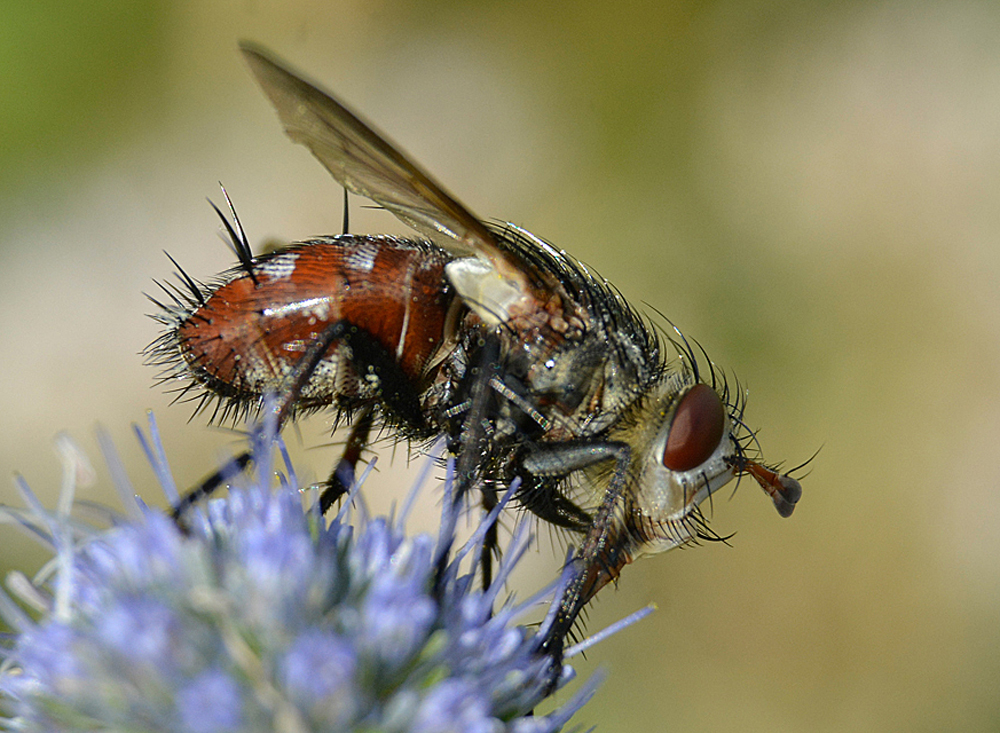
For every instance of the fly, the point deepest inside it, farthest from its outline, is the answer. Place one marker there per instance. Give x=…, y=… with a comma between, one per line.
x=529, y=365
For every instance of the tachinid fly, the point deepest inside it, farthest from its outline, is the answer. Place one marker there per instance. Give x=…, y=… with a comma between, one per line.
x=529, y=365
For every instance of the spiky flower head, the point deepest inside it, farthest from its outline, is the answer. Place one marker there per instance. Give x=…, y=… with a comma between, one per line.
x=263, y=616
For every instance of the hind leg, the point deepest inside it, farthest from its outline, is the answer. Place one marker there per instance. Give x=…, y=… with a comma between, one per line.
x=344, y=474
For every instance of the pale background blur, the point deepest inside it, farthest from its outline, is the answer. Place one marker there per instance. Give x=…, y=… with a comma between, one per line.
x=812, y=190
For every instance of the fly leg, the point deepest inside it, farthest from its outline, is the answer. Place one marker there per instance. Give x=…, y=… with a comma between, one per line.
x=471, y=447
x=469, y=436
x=396, y=394
x=491, y=541
x=605, y=549
x=345, y=472
x=541, y=496
x=206, y=488
x=287, y=395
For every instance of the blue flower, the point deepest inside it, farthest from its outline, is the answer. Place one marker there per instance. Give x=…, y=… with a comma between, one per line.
x=264, y=617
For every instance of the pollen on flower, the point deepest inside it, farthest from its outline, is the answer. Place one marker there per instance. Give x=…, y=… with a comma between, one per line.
x=264, y=617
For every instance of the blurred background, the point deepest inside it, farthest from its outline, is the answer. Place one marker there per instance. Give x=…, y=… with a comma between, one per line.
x=810, y=189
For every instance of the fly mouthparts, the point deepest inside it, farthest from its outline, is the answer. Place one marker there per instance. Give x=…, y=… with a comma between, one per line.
x=783, y=490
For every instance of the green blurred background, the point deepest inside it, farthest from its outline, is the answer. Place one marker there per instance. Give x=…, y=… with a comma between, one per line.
x=810, y=189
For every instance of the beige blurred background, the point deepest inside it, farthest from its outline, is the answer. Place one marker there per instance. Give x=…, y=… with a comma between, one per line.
x=812, y=190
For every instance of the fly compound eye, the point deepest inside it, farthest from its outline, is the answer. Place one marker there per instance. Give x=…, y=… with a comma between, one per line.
x=697, y=429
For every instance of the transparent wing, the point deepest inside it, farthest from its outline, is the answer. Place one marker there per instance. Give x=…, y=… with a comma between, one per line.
x=366, y=164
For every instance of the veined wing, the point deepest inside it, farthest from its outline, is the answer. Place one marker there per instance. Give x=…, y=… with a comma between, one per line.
x=365, y=163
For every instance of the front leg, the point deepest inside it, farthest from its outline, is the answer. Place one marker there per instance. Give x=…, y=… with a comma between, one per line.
x=543, y=470
x=606, y=546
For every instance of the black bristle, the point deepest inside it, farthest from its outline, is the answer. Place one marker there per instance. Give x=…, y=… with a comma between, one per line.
x=237, y=236
x=346, y=217
x=157, y=303
x=199, y=296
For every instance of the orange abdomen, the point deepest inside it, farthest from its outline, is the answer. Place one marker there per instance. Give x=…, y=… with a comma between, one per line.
x=249, y=335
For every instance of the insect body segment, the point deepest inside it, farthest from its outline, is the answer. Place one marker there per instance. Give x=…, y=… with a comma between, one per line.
x=387, y=292
x=529, y=365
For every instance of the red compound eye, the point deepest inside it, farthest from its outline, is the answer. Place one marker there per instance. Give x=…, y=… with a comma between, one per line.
x=696, y=430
